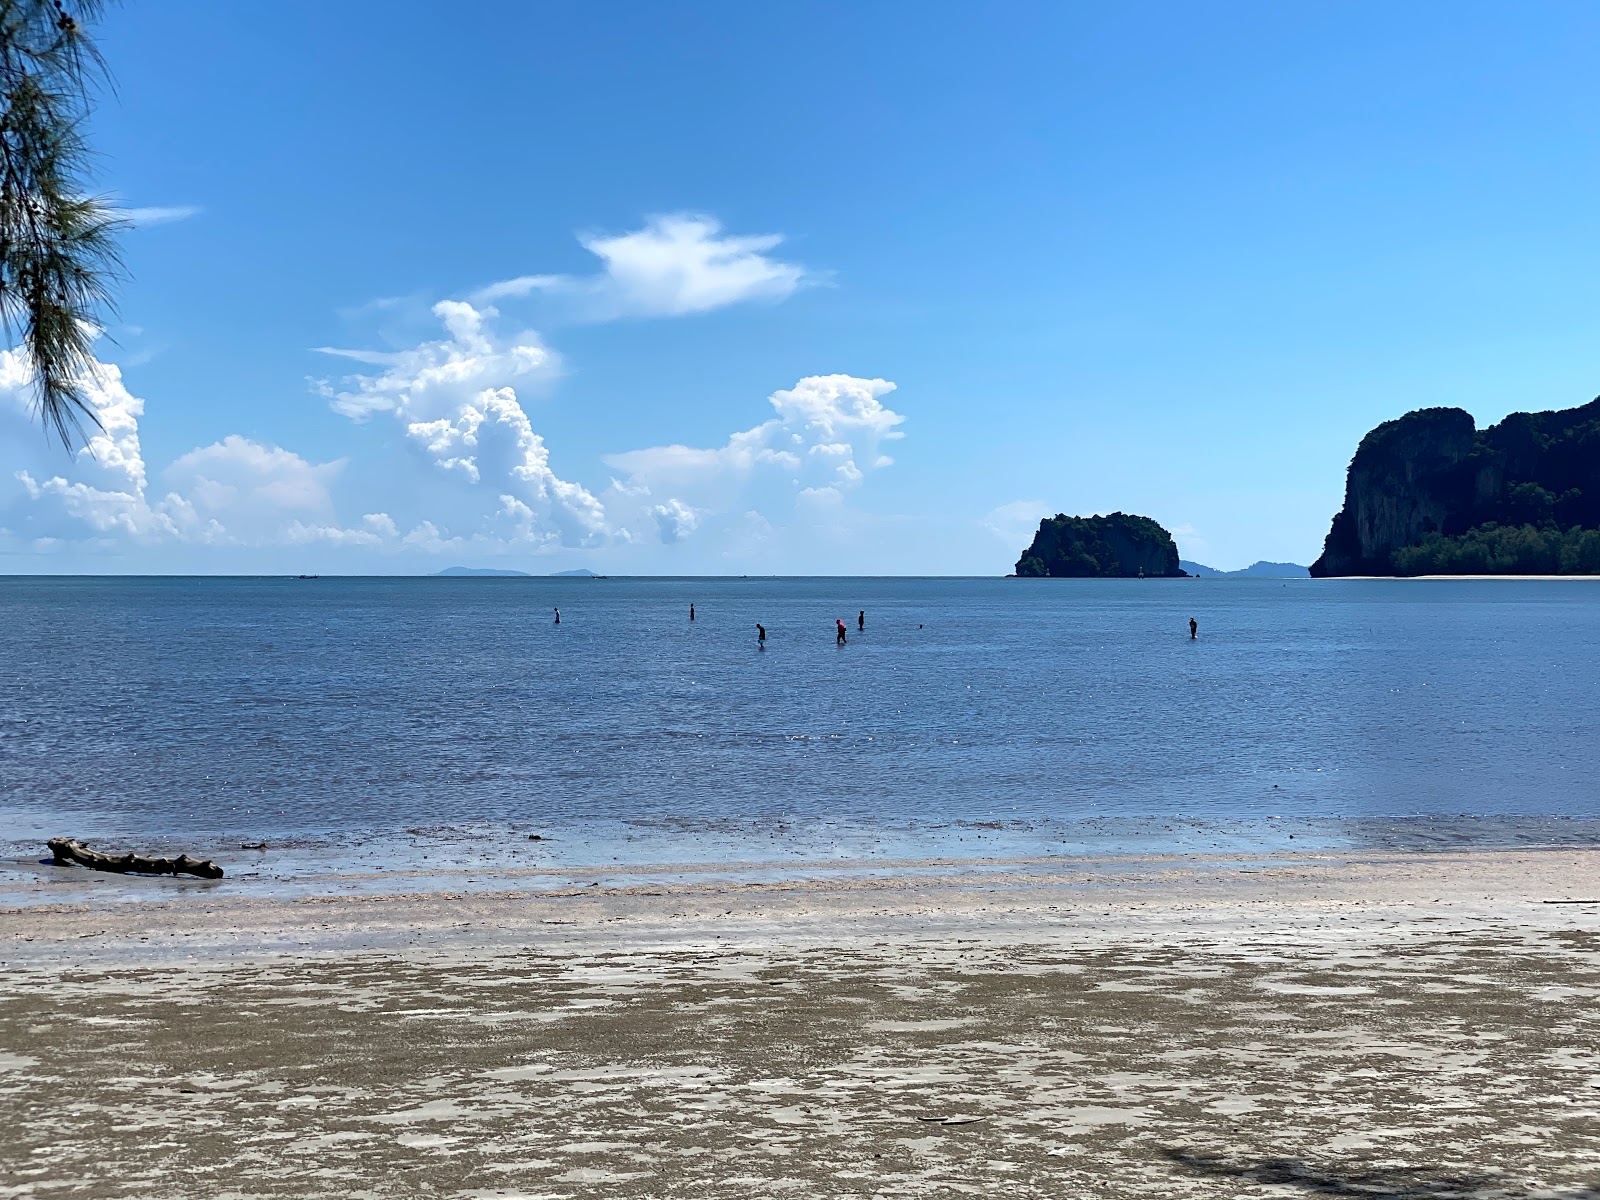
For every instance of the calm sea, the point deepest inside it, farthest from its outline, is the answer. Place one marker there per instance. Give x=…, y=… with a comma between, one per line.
x=968, y=714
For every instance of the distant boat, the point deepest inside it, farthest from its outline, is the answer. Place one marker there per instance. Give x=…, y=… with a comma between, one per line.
x=308, y=576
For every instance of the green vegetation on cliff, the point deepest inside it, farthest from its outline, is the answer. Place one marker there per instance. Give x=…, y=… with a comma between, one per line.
x=1504, y=550
x=1117, y=546
x=1430, y=494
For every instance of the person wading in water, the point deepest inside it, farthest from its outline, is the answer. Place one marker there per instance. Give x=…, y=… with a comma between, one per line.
x=861, y=619
x=558, y=616
x=761, y=635
x=691, y=612
x=840, y=624
x=1194, y=629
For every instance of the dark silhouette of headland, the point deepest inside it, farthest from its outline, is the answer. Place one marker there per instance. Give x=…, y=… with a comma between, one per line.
x=1431, y=494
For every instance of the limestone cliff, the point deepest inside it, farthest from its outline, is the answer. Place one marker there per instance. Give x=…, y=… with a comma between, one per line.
x=1431, y=492
x=1117, y=546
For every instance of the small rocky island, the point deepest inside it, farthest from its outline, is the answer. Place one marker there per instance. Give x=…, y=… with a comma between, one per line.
x=1119, y=546
x=1431, y=494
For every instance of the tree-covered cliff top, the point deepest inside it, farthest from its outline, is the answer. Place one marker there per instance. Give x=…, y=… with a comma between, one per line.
x=1120, y=545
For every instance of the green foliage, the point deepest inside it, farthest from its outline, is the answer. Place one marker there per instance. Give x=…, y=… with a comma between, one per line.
x=1493, y=549
x=1031, y=566
x=1530, y=504
x=1116, y=546
x=57, y=253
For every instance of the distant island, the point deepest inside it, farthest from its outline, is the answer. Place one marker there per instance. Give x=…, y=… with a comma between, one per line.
x=1256, y=570
x=1431, y=494
x=1119, y=546
x=580, y=573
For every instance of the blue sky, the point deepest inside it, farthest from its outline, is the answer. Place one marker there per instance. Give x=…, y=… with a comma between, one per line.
x=626, y=286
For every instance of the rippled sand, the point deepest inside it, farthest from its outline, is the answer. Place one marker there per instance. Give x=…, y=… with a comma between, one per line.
x=1394, y=1025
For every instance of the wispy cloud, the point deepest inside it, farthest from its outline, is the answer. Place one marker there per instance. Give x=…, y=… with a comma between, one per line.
x=675, y=266
x=411, y=301
x=160, y=216
x=1015, y=523
x=143, y=356
x=375, y=358
x=522, y=285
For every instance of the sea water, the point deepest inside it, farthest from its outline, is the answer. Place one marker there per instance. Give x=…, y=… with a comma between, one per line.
x=968, y=716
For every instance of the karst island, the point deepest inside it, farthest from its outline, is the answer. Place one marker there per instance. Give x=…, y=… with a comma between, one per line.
x=1118, y=546
x=1431, y=494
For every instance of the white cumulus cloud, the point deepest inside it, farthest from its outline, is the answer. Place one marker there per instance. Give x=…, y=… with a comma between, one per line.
x=428, y=381
x=674, y=520
x=821, y=442
x=455, y=400
x=232, y=492
x=458, y=401
x=258, y=494
x=824, y=424
x=104, y=490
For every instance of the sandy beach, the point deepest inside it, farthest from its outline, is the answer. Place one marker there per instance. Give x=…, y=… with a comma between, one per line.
x=1382, y=1024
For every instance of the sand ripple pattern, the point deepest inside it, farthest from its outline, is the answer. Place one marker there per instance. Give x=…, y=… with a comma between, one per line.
x=1462, y=1067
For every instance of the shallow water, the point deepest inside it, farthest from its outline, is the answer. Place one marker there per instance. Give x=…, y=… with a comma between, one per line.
x=1058, y=713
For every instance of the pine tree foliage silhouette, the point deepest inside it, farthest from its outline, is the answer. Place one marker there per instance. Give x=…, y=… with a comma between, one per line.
x=58, y=253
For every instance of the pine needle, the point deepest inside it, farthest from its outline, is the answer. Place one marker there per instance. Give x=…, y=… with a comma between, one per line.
x=58, y=253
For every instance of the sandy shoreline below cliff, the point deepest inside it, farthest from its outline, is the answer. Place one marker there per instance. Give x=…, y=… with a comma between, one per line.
x=1391, y=1024
x=1509, y=578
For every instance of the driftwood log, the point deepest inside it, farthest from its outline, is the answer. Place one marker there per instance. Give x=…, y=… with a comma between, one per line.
x=69, y=852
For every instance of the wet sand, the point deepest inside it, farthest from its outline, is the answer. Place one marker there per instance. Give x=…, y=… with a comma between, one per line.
x=1379, y=1024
